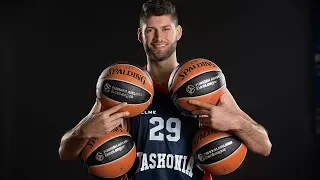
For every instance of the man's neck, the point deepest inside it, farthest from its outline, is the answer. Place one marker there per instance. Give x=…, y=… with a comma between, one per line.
x=161, y=71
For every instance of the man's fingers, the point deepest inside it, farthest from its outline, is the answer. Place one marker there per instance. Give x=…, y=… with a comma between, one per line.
x=118, y=115
x=116, y=108
x=113, y=124
x=201, y=104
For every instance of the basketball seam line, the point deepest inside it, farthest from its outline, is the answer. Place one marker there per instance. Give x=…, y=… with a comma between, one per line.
x=227, y=135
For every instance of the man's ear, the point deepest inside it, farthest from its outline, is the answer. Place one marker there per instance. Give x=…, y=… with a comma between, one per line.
x=179, y=32
x=139, y=34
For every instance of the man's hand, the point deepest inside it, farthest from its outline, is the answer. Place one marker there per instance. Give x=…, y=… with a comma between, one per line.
x=98, y=123
x=227, y=116
x=220, y=117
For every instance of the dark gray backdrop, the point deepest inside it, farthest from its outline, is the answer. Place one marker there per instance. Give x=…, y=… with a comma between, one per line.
x=53, y=53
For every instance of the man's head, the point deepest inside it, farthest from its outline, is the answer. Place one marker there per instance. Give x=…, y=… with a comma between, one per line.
x=159, y=30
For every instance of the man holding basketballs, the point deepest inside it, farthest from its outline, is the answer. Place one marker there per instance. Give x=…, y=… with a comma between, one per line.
x=162, y=134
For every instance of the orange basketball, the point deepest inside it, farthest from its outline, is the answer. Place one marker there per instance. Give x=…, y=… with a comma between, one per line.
x=110, y=156
x=218, y=153
x=125, y=82
x=197, y=79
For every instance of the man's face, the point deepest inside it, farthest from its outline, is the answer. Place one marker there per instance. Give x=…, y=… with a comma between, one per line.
x=159, y=36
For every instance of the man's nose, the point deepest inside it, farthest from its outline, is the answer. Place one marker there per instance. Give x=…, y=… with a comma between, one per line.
x=159, y=35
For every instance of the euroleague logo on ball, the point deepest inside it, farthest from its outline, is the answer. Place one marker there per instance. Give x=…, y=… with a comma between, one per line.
x=99, y=156
x=201, y=157
x=107, y=88
x=190, y=89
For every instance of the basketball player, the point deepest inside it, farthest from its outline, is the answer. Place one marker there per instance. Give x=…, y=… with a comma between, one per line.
x=163, y=135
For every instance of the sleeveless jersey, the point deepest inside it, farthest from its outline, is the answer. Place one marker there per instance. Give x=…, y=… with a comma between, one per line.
x=163, y=137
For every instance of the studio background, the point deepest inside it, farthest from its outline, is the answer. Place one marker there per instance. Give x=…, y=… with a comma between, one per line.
x=53, y=53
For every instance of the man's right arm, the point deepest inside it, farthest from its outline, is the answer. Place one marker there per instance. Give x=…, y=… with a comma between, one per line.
x=72, y=143
x=96, y=124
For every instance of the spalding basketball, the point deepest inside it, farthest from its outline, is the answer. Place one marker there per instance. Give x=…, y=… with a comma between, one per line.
x=110, y=156
x=197, y=79
x=218, y=153
x=125, y=82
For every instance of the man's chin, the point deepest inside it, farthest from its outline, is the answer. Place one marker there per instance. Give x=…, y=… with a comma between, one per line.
x=158, y=57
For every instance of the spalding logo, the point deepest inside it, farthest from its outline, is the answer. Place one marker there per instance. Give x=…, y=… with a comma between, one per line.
x=91, y=142
x=187, y=70
x=203, y=135
x=117, y=129
x=126, y=72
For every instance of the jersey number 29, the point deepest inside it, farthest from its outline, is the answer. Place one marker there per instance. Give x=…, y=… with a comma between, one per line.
x=173, y=127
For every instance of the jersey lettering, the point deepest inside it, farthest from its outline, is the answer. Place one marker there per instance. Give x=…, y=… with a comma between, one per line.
x=170, y=161
x=149, y=112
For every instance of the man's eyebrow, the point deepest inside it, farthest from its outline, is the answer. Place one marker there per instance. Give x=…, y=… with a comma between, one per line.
x=154, y=27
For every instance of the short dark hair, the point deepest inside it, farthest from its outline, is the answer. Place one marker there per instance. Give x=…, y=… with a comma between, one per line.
x=158, y=8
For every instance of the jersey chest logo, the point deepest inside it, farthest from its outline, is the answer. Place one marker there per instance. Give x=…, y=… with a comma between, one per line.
x=149, y=112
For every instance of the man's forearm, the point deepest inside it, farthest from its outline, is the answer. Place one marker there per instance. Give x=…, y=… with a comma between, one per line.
x=72, y=144
x=253, y=135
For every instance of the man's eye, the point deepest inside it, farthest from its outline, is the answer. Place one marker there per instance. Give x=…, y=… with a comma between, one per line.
x=149, y=30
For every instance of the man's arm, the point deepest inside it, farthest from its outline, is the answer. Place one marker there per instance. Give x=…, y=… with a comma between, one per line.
x=227, y=116
x=72, y=143
x=96, y=124
x=253, y=135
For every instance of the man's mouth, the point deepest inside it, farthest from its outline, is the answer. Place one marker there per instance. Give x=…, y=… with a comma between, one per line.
x=159, y=45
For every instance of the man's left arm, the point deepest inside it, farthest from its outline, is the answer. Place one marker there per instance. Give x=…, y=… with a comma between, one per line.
x=227, y=116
